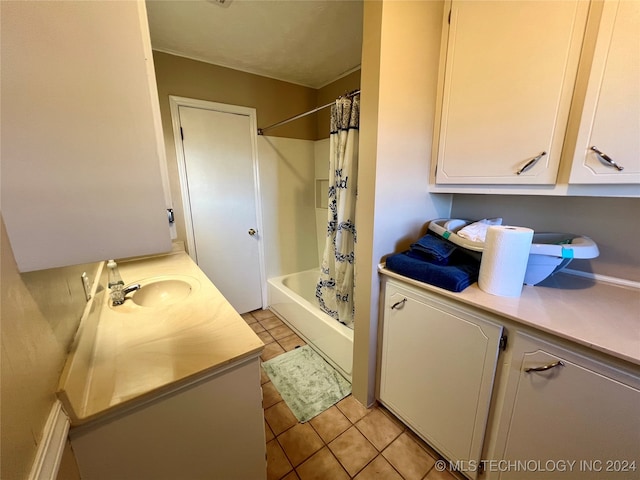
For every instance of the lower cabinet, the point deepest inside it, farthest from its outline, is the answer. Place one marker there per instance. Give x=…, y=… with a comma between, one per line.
x=437, y=369
x=212, y=428
x=565, y=416
x=552, y=410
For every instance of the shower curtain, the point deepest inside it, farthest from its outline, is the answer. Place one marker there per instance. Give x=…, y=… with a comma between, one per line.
x=334, y=290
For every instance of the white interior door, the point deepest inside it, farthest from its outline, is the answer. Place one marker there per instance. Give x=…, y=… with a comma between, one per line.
x=218, y=152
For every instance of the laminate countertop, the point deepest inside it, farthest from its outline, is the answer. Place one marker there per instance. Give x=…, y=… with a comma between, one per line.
x=130, y=353
x=601, y=316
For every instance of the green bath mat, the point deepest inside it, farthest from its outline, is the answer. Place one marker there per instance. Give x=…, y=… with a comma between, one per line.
x=306, y=382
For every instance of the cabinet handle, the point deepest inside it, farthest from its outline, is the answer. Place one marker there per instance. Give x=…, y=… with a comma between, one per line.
x=545, y=367
x=607, y=159
x=398, y=304
x=531, y=163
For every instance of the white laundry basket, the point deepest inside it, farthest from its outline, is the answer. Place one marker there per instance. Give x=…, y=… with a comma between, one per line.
x=550, y=252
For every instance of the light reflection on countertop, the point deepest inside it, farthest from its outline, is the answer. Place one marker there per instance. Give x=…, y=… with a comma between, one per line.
x=598, y=315
x=139, y=351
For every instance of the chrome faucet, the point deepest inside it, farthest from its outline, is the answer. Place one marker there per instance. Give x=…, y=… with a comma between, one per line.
x=119, y=298
x=131, y=288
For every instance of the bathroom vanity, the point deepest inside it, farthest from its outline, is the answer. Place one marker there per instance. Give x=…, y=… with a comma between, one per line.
x=166, y=385
x=517, y=388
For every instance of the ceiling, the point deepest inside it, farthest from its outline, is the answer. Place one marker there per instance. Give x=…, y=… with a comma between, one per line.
x=306, y=42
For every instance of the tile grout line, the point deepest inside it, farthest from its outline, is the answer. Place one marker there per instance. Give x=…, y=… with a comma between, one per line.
x=379, y=453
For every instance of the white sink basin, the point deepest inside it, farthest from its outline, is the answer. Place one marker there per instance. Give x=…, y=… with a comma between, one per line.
x=160, y=293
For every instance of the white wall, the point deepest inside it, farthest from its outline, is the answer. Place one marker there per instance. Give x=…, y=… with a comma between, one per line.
x=322, y=194
x=401, y=49
x=287, y=173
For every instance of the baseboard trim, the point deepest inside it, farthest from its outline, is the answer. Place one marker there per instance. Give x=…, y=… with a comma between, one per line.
x=51, y=447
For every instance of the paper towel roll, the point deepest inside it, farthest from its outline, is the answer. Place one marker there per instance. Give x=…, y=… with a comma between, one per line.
x=504, y=260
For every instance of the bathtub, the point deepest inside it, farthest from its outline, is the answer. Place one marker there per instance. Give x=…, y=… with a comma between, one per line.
x=292, y=299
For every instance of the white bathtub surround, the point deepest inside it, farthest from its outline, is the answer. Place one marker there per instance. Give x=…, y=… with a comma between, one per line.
x=292, y=299
x=335, y=287
x=289, y=230
x=148, y=388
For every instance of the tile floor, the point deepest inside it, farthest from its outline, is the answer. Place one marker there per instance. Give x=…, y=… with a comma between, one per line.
x=347, y=441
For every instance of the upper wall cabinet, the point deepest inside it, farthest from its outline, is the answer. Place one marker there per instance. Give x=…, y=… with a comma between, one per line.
x=509, y=73
x=608, y=144
x=81, y=135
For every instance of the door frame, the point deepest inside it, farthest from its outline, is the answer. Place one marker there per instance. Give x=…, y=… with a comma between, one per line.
x=175, y=102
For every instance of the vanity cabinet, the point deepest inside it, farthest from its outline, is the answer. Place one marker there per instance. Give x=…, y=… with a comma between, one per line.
x=210, y=428
x=437, y=368
x=546, y=403
x=81, y=136
x=509, y=70
x=611, y=114
x=559, y=406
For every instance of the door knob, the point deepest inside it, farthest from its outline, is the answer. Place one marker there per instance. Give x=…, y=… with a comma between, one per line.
x=252, y=232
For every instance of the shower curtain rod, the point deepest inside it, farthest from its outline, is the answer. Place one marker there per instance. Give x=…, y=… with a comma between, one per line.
x=262, y=130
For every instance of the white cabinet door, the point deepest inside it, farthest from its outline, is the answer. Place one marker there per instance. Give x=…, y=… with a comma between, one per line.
x=508, y=80
x=81, y=138
x=437, y=369
x=579, y=411
x=611, y=114
x=219, y=190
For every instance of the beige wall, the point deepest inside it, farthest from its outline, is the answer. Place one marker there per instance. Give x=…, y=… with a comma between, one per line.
x=611, y=222
x=40, y=314
x=328, y=94
x=273, y=100
x=401, y=48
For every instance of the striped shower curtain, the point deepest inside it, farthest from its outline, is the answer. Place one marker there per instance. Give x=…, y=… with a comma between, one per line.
x=334, y=290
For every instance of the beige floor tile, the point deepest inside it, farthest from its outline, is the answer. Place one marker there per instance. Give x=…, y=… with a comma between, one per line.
x=249, y=318
x=290, y=342
x=330, y=423
x=435, y=474
x=266, y=337
x=300, y=442
x=270, y=351
x=379, y=429
x=322, y=466
x=268, y=433
x=425, y=446
x=291, y=476
x=270, y=395
x=262, y=314
x=280, y=332
x=408, y=457
x=352, y=408
x=353, y=450
x=271, y=322
x=256, y=327
x=379, y=469
x=277, y=463
x=280, y=418
x=264, y=378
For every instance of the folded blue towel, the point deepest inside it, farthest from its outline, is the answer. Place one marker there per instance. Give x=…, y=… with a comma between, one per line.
x=454, y=278
x=434, y=249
